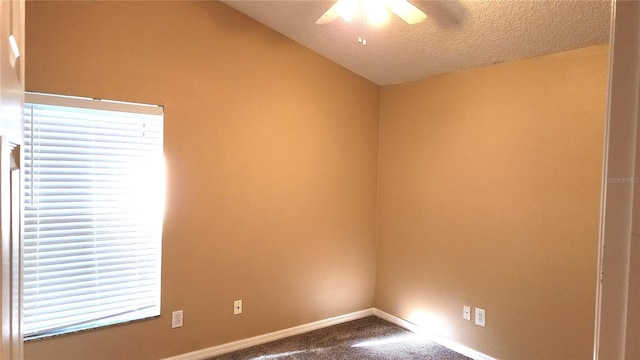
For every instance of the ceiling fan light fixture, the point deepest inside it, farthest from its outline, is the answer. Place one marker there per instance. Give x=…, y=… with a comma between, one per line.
x=375, y=11
x=346, y=9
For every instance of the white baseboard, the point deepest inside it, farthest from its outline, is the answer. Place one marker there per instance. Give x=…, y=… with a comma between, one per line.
x=277, y=335
x=446, y=342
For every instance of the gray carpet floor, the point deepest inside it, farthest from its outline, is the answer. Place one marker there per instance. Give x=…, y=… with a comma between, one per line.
x=363, y=339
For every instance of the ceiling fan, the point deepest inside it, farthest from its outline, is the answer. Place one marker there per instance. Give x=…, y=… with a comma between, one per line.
x=375, y=10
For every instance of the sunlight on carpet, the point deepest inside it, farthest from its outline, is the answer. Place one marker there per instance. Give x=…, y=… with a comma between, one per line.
x=368, y=338
x=390, y=340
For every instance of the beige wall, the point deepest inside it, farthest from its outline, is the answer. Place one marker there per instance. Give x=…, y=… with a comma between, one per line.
x=271, y=154
x=489, y=192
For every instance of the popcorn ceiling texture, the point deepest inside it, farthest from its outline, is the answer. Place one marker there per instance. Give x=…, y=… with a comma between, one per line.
x=456, y=35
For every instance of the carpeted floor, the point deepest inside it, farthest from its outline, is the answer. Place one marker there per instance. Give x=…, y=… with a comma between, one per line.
x=363, y=339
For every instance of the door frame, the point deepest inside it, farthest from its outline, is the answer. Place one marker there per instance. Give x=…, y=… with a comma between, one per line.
x=616, y=301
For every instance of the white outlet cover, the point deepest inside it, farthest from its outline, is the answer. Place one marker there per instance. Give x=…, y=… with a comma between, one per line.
x=480, y=317
x=237, y=307
x=466, y=312
x=177, y=319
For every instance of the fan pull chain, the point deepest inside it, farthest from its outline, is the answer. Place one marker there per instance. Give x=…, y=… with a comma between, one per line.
x=363, y=39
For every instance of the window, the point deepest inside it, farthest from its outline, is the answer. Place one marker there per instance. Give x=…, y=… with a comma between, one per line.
x=94, y=190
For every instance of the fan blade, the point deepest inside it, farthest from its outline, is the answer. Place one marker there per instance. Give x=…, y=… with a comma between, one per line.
x=329, y=16
x=406, y=11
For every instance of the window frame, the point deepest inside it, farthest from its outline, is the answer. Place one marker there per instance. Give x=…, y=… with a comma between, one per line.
x=91, y=104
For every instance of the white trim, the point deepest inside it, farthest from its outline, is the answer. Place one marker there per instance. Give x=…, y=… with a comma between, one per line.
x=277, y=335
x=446, y=342
x=97, y=104
x=618, y=218
x=261, y=339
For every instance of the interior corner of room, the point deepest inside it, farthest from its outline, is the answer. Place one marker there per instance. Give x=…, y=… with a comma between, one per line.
x=492, y=207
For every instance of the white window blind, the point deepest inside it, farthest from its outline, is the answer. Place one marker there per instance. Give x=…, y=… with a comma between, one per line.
x=94, y=190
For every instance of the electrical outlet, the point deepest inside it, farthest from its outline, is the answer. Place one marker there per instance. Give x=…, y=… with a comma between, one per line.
x=176, y=319
x=466, y=313
x=237, y=307
x=480, y=317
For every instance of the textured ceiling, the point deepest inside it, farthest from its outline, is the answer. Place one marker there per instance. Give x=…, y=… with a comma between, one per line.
x=456, y=35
